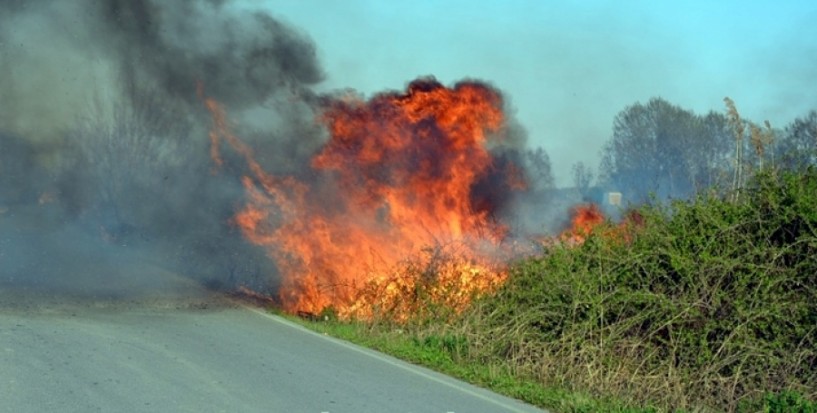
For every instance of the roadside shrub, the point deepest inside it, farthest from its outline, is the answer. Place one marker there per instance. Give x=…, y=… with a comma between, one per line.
x=784, y=402
x=706, y=304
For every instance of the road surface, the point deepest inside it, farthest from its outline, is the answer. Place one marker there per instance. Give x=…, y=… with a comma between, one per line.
x=202, y=355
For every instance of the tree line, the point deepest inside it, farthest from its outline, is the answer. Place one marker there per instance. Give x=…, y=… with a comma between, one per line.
x=661, y=150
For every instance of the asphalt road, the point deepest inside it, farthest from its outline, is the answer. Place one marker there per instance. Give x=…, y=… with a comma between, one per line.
x=203, y=355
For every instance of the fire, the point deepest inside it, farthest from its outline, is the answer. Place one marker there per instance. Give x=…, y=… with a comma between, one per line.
x=440, y=280
x=400, y=173
x=585, y=218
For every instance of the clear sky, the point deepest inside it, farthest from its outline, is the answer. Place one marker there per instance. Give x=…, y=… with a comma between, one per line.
x=569, y=67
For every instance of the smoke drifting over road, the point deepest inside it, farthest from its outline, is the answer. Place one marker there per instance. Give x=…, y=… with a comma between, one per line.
x=106, y=175
x=104, y=165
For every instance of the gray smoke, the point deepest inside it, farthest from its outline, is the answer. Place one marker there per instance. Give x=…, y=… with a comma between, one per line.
x=104, y=154
x=106, y=182
x=241, y=58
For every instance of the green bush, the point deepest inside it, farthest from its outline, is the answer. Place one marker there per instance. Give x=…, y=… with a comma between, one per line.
x=701, y=305
x=784, y=402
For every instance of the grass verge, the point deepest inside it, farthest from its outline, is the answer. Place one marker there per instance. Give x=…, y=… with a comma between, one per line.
x=441, y=354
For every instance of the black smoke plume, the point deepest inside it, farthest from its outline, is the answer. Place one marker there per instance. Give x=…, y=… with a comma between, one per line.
x=106, y=186
x=242, y=58
x=106, y=181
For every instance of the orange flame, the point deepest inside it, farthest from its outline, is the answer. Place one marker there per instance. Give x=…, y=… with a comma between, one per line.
x=400, y=172
x=585, y=218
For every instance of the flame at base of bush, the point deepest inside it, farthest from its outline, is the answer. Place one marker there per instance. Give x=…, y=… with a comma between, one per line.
x=585, y=218
x=588, y=218
x=437, y=283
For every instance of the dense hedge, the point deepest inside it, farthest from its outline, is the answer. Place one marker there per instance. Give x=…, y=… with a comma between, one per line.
x=710, y=303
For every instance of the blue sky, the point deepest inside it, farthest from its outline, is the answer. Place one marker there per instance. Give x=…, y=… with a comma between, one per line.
x=569, y=67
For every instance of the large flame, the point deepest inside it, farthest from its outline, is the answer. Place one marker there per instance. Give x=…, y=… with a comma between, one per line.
x=400, y=173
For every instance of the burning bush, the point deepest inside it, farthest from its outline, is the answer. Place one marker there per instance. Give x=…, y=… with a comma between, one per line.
x=400, y=172
x=437, y=284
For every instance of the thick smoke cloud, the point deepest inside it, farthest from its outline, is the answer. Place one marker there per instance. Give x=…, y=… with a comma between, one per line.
x=241, y=59
x=103, y=139
x=57, y=56
x=105, y=170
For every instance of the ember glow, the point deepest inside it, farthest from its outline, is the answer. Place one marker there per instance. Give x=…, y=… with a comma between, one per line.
x=401, y=173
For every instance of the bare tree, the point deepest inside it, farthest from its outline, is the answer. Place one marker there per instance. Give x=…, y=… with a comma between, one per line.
x=132, y=160
x=582, y=179
x=537, y=164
